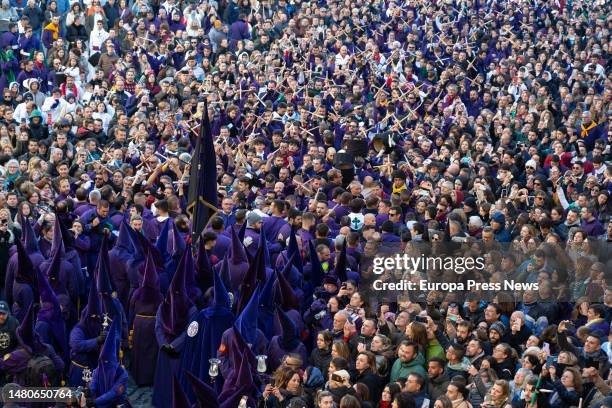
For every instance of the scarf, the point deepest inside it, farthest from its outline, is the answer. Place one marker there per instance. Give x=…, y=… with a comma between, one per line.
x=54, y=29
x=585, y=130
x=397, y=190
x=594, y=321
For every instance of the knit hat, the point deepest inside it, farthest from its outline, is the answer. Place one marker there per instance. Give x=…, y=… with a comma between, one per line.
x=253, y=218
x=498, y=327
x=499, y=218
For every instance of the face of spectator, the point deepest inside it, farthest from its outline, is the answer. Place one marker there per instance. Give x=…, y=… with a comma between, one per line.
x=592, y=345
x=406, y=353
x=102, y=211
x=326, y=402
x=434, y=369
x=368, y=328
x=452, y=392
x=339, y=321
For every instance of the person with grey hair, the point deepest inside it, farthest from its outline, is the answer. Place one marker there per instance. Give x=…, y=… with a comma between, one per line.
x=589, y=131
x=475, y=226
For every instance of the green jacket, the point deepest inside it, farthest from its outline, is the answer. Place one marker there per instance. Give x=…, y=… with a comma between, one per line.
x=401, y=370
x=434, y=349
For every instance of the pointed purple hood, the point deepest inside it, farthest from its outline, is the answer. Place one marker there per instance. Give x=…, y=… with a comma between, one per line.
x=293, y=251
x=28, y=236
x=224, y=273
x=284, y=293
x=57, y=254
x=247, y=321
x=238, y=253
x=67, y=237
x=175, y=307
x=341, y=264
x=124, y=241
x=190, y=278
x=316, y=269
x=205, y=395
x=51, y=313
x=221, y=297
x=149, y=291
x=289, y=339
x=102, y=271
x=25, y=273
x=242, y=231
x=26, y=335
x=108, y=362
x=255, y=273
x=58, y=239
x=239, y=384
x=50, y=306
x=176, y=243
x=91, y=316
x=162, y=241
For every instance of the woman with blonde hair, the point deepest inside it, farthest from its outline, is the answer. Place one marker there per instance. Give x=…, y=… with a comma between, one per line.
x=498, y=396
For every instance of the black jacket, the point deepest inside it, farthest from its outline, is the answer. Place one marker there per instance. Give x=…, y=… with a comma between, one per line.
x=373, y=382
x=321, y=359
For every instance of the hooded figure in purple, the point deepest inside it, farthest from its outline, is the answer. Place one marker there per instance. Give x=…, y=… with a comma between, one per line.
x=161, y=247
x=111, y=306
x=50, y=324
x=25, y=286
x=71, y=255
x=60, y=273
x=285, y=297
x=110, y=380
x=341, y=270
x=15, y=363
x=193, y=291
x=207, y=397
x=267, y=307
x=246, y=323
x=171, y=321
x=171, y=246
x=86, y=338
x=287, y=342
x=240, y=379
x=143, y=307
x=257, y=274
x=120, y=256
x=294, y=274
x=136, y=264
x=239, y=263
x=30, y=247
x=204, y=335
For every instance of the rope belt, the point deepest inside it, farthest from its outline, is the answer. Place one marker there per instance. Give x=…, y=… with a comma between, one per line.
x=78, y=365
x=145, y=316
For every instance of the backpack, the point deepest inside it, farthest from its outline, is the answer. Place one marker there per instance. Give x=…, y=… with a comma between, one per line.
x=41, y=372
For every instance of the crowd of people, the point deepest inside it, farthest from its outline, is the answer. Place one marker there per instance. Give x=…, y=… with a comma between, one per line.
x=341, y=132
